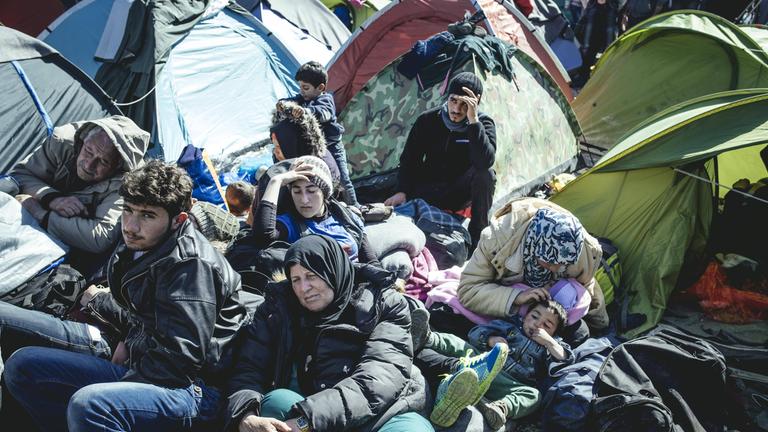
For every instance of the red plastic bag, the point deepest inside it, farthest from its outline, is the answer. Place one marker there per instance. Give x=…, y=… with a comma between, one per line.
x=722, y=302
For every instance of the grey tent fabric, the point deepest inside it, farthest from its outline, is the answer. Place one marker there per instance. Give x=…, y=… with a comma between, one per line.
x=152, y=28
x=309, y=15
x=37, y=81
x=18, y=46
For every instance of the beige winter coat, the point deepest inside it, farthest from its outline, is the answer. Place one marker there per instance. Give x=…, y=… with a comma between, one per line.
x=53, y=163
x=497, y=263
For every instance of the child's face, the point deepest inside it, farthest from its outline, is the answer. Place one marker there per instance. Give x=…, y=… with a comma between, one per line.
x=308, y=91
x=540, y=317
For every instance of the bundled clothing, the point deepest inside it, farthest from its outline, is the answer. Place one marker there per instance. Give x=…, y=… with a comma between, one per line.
x=176, y=307
x=352, y=360
x=50, y=172
x=566, y=403
x=508, y=252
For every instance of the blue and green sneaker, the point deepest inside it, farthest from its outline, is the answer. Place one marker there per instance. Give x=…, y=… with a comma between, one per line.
x=455, y=393
x=486, y=365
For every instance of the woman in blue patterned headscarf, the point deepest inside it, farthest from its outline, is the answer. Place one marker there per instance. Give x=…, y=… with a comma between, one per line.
x=552, y=242
x=529, y=246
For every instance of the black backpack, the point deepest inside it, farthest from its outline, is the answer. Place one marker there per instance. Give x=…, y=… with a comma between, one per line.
x=665, y=381
x=54, y=292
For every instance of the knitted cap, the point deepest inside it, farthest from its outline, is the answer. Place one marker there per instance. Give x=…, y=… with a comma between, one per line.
x=214, y=222
x=322, y=177
x=468, y=80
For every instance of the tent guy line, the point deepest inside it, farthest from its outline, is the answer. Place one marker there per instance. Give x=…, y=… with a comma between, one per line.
x=720, y=185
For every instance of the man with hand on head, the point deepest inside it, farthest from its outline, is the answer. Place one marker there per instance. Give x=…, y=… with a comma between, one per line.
x=448, y=157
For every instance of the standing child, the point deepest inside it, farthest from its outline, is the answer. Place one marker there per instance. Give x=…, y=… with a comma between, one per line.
x=312, y=79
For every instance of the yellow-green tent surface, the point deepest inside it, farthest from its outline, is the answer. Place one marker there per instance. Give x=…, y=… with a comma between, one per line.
x=359, y=15
x=644, y=194
x=666, y=60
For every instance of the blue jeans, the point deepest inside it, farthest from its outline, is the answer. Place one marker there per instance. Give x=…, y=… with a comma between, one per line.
x=63, y=391
x=24, y=327
x=340, y=156
x=277, y=404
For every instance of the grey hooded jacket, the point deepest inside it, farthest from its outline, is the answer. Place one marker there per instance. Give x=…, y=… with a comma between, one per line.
x=46, y=173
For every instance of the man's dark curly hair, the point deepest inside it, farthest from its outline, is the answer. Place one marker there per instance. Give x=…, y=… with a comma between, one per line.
x=158, y=184
x=313, y=73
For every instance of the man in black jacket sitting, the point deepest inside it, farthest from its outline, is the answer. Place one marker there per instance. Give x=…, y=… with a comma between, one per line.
x=175, y=303
x=448, y=158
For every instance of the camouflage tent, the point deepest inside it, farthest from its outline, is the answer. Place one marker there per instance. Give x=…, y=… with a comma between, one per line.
x=536, y=128
x=393, y=31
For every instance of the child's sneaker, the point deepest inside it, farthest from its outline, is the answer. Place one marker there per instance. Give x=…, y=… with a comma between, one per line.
x=455, y=393
x=495, y=413
x=486, y=365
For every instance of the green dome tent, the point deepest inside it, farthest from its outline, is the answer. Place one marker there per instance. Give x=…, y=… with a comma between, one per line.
x=663, y=61
x=652, y=194
x=536, y=129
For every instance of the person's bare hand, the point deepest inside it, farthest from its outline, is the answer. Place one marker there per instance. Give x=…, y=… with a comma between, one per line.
x=280, y=106
x=32, y=205
x=297, y=111
x=493, y=340
x=91, y=292
x=472, y=101
x=532, y=295
x=67, y=206
x=395, y=199
x=121, y=354
x=541, y=337
x=299, y=172
x=253, y=423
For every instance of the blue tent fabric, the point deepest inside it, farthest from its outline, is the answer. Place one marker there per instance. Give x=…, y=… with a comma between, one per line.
x=227, y=54
x=67, y=34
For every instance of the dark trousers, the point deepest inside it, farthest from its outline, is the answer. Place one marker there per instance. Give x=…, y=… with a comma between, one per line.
x=434, y=366
x=474, y=186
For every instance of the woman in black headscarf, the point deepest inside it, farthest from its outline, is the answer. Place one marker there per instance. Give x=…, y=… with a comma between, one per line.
x=336, y=333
